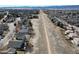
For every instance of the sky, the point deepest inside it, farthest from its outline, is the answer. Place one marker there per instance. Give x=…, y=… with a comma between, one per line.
x=37, y=2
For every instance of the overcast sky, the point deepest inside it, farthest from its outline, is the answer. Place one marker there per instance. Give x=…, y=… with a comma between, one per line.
x=37, y=2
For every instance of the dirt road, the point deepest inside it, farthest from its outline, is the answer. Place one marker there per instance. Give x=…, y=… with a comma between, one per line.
x=51, y=38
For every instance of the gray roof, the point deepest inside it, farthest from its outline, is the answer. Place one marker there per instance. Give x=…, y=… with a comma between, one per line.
x=12, y=51
x=22, y=37
x=22, y=32
x=25, y=31
x=16, y=44
x=3, y=27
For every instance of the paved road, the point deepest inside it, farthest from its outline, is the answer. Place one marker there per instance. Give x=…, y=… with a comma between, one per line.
x=52, y=40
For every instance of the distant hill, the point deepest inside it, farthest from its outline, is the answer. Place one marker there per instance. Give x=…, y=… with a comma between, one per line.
x=67, y=7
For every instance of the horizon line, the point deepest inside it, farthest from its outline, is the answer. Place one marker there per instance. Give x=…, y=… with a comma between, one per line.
x=33, y=5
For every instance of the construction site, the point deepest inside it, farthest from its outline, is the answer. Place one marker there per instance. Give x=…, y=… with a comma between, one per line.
x=25, y=31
